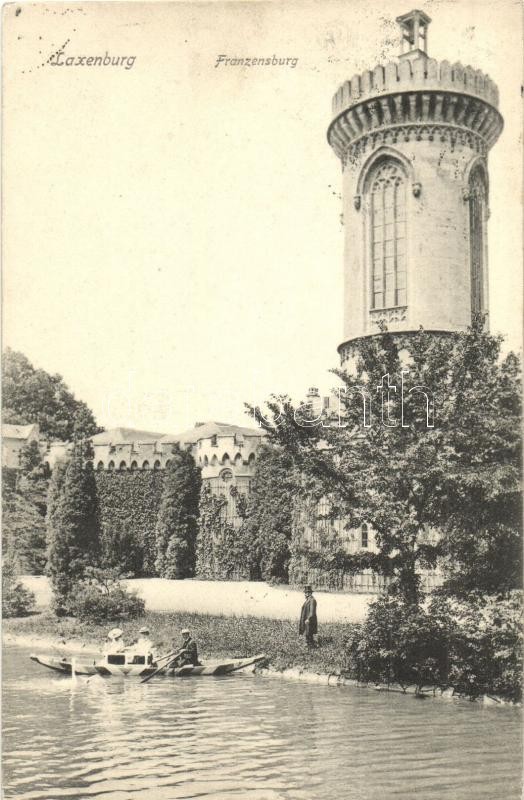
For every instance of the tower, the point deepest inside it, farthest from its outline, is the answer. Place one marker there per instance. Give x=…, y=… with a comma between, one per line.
x=413, y=139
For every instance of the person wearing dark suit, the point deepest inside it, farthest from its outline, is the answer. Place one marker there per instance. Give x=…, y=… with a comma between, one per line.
x=189, y=652
x=308, y=617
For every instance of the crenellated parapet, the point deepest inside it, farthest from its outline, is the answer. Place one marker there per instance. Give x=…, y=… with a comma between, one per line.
x=419, y=74
x=413, y=100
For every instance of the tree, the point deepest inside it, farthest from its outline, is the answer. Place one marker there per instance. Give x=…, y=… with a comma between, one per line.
x=33, y=396
x=480, y=512
x=269, y=511
x=176, y=527
x=23, y=533
x=408, y=472
x=23, y=512
x=72, y=525
x=31, y=459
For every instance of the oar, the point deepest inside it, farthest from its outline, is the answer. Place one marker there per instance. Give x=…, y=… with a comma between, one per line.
x=171, y=657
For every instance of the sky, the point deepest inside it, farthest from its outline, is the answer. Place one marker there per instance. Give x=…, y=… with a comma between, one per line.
x=172, y=243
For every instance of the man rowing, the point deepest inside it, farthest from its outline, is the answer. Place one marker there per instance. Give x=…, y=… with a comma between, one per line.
x=189, y=650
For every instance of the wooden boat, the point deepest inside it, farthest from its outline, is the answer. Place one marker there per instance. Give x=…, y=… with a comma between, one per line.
x=131, y=664
x=215, y=667
x=83, y=666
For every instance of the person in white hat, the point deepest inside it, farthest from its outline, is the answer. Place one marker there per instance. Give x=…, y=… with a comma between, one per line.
x=115, y=643
x=143, y=646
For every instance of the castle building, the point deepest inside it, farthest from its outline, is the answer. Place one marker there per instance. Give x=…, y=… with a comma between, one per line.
x=227, y=456
x=225, y=453
x=413, y=139
x=14, y=439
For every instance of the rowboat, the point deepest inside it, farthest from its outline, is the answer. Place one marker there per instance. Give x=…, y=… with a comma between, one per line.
x=131, y=664
x=64, y=665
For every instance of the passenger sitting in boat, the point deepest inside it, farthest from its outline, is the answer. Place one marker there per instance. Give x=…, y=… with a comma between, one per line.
x=115, y=643
x=143, y=646
x=189, y=651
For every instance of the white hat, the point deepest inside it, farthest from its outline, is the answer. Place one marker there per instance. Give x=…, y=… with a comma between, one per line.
x=116, y=633
x=185, y=630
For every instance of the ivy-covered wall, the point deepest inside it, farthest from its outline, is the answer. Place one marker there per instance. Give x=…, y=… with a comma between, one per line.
x=128, y=506
x=224, y=552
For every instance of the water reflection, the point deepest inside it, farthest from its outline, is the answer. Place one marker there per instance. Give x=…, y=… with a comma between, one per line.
x=245, y=737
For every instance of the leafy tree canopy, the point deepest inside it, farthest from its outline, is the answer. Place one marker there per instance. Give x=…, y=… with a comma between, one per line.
x=411, y=472
x=32, y=395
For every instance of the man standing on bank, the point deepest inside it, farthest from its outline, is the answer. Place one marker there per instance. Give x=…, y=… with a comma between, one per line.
x=308, y=617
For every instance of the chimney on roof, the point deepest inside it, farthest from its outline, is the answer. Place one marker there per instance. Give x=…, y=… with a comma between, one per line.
x=414, y=29
x=313, y=400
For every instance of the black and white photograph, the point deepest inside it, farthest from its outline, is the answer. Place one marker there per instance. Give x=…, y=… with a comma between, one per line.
x=261, y=400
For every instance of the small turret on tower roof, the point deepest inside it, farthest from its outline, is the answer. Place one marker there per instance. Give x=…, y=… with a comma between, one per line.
x=414, y=28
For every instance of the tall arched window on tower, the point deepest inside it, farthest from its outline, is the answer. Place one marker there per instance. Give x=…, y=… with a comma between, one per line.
x=387, y=189
x=477, y=237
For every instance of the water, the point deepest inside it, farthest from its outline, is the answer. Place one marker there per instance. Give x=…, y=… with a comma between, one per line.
x=246, y=737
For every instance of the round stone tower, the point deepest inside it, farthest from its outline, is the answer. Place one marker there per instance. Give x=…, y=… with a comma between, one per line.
x=413, y=138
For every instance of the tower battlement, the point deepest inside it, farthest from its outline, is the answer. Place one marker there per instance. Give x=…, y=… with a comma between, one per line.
x=420, y=74
x=449, y=98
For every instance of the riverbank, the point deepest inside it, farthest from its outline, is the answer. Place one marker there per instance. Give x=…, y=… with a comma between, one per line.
x=227, y=598
x=217, y=636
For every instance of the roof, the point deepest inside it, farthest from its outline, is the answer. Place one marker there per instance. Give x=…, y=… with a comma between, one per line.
x=412, y=14
x=125, y=436
x=17, y=431
x=207, y=429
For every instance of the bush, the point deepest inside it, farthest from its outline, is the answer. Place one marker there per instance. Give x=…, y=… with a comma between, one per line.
x=473, y=645
x=398, y=643
x=485, y=641
x=17, y=601
x=100, y=598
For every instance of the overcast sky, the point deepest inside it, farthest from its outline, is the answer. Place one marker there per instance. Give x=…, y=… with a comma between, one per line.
x=172, y=236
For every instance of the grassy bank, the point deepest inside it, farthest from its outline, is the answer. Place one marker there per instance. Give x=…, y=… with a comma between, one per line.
x=217, y=636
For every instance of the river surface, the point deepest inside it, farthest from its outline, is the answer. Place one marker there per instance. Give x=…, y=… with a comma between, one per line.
x=244, y=736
